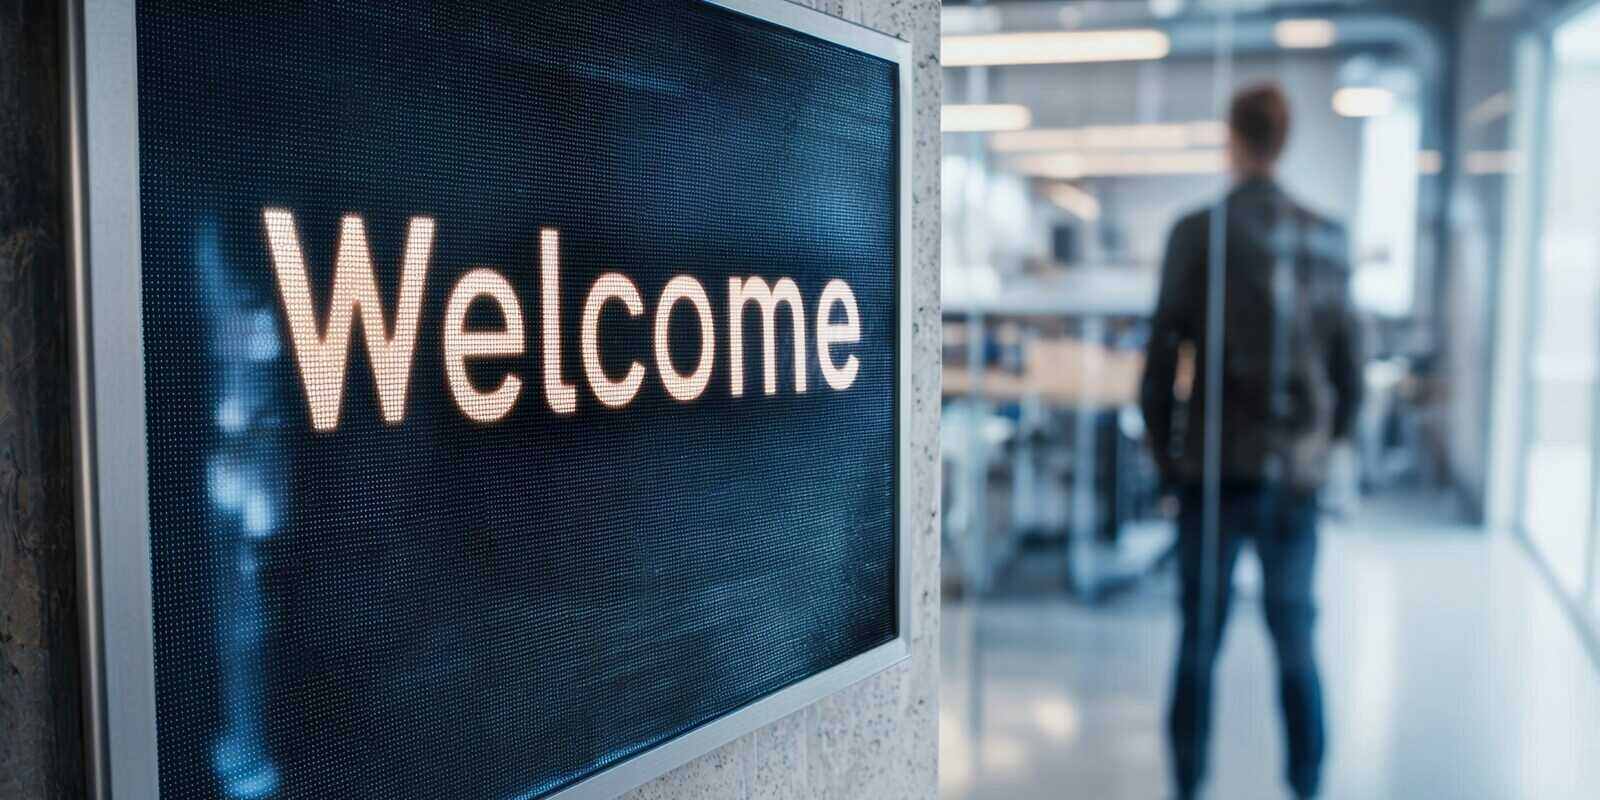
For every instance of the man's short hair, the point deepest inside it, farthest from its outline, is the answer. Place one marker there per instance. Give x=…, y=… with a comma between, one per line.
x=1259, y=120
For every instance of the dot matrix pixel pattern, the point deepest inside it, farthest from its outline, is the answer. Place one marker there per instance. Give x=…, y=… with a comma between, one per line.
x=443, y=607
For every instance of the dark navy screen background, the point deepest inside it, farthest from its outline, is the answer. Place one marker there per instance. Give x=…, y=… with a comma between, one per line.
x=446, y=609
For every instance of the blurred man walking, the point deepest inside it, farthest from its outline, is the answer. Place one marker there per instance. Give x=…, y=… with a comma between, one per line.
x=1281, y=364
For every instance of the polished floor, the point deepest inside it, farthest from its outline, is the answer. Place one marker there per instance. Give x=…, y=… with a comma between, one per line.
x=1450, y=669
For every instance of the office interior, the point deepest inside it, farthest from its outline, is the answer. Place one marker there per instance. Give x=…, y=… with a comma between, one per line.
x=1459, y=574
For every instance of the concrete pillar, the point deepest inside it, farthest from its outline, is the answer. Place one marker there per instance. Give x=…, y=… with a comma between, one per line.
x=41, y=753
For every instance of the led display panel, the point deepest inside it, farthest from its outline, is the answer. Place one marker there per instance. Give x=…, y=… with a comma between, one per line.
x=520, y=384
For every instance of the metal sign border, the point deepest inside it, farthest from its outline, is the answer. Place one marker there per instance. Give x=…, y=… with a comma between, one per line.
x=102, y=159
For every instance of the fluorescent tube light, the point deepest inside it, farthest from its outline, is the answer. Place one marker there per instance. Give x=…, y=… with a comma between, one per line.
x=1305, y=34
x=984, y=117
x=1054, y=47
x=1363, y=101
x=1074, y=165
x=1150, y=136
x=1075, y=201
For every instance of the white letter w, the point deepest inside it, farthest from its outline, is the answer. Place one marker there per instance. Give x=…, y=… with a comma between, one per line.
x=322, y=356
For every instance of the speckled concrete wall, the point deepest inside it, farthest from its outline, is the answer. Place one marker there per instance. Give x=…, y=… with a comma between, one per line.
x=880, y=739
x=40, y=750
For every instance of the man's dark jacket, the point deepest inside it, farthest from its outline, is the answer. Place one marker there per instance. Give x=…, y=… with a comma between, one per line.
x=1291, y=377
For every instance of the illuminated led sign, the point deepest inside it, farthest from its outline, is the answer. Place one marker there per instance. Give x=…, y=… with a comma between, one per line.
x=321, y=349
x=492, y=400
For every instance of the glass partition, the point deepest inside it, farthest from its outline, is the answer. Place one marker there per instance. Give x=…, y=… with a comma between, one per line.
x=1212, y=428
x=1558, y=499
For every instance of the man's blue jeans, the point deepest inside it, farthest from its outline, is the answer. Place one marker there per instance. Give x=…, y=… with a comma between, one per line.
x=1282, y=524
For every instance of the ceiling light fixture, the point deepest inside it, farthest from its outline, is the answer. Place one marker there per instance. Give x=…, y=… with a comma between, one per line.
x=1363, y=101
x=1148, y=136
x=1305, y=34
x=1075, y=201
x=984, y=117
x=1074, y=165
x=1054, y=47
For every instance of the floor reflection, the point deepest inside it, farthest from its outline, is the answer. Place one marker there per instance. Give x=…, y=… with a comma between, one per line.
x=1451, y=673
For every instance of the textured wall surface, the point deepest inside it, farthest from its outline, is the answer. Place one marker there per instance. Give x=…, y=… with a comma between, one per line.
x=40, y=750
x=879, y=739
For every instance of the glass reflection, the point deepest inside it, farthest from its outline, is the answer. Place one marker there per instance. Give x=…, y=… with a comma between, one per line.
x=239, y=478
